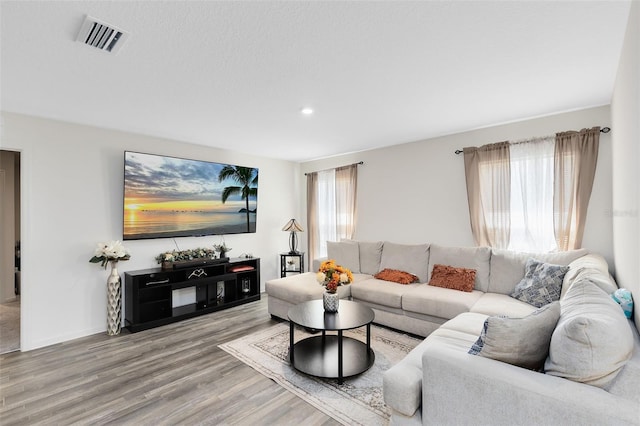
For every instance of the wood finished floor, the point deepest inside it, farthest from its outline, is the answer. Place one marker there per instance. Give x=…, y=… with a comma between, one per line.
x=174, y=374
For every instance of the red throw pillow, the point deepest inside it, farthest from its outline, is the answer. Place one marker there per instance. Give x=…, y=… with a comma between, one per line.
x=456, y=278
x=400, y=277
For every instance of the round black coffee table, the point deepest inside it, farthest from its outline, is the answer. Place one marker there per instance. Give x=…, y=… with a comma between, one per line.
x=331, y=356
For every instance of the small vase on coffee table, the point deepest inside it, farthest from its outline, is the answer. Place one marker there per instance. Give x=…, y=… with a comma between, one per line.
x=330, y=302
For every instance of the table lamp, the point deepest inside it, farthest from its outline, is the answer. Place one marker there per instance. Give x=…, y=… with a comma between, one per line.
x=292, y=226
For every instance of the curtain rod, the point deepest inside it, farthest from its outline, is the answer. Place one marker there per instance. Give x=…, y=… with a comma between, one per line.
x=352, y=164
x=603, y=130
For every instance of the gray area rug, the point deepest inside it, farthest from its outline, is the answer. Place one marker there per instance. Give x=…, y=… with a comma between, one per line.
x=9, y=327
x=358, y=401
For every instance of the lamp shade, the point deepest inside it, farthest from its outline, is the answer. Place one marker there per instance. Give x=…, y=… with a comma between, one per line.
x=292, y=226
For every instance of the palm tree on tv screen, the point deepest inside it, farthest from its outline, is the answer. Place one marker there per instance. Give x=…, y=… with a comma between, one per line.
x=243, y=176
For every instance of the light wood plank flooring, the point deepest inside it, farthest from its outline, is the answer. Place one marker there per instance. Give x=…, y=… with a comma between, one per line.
x=174, y=374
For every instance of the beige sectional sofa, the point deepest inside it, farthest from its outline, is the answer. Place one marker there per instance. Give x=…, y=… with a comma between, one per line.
x=593, y=367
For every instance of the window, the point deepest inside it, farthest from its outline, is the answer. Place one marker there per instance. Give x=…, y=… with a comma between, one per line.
x=531, y=206
x=532, y=195
x=331, y=207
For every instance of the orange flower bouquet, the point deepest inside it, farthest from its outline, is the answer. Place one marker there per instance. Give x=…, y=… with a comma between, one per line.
x=331, y=275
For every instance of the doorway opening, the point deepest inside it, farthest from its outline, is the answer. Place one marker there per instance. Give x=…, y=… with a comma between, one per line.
x=10, y=266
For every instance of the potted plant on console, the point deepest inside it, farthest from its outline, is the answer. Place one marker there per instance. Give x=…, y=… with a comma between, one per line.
x=112, y=252
x=222, y=249
x=331, y=276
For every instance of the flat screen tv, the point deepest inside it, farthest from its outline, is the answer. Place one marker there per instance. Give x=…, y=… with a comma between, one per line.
x=167, y=197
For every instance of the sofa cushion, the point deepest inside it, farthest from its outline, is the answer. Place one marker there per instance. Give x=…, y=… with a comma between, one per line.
x=519, y=341
x=507, y=267
x=462, y=279
x=402, y=383
x=393, y=275
x=345, y=253
x=464, y=257
x=592, y=266
x=501, y=304
x=410, y=258
x=593, y=340
x=370, y=254
x=542, y=283
x=304, y=287
x=438, y=302
x=380, y=292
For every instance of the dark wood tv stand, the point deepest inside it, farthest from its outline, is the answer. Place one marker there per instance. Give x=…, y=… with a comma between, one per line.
x=155, y=297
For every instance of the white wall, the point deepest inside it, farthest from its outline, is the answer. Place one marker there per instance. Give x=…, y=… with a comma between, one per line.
x=625, y=114
x=416, y=192
x=72, y=179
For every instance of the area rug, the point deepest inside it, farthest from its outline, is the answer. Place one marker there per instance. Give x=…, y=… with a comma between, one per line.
x=358, y=401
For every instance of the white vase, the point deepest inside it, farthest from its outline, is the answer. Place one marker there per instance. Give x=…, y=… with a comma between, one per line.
x=114, y=301
x=330, y=302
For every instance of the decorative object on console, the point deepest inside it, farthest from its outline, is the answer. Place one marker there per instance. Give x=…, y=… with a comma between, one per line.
x=112, y=252
x=293, y=226
x=445, y=276
x=222, y=249
x=331, y=276
x=170, y=259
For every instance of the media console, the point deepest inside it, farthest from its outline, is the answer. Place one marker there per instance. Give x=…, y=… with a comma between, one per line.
x=155, y=297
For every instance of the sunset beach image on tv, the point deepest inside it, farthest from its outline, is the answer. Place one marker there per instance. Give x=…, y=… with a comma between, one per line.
x=174, y=197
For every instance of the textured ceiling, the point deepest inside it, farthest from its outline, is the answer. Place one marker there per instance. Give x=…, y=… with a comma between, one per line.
x=236, y=74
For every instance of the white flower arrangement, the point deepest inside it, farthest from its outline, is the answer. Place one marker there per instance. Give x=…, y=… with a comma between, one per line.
x=112, y=251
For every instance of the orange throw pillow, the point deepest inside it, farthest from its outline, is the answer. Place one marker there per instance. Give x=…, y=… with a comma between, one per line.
x=396, y=276
x=456, y=278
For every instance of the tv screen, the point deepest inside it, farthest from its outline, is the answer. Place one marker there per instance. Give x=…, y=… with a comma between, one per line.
x=175, y=197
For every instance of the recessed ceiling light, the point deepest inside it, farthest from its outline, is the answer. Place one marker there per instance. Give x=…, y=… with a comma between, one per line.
x=306, y=111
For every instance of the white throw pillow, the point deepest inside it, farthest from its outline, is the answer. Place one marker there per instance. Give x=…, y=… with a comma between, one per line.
x=593, y=340
x=370, y=255
x=519, y=341
x=345, y=253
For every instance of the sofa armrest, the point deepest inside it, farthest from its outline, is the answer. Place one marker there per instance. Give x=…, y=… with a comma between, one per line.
x=458, y=388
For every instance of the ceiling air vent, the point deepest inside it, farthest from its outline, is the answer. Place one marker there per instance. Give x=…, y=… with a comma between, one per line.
x=101, y=35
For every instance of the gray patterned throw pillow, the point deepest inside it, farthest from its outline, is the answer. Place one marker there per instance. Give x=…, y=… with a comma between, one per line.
x=542, y=283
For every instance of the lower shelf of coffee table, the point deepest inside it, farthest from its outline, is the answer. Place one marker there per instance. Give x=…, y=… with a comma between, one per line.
x=318, y=356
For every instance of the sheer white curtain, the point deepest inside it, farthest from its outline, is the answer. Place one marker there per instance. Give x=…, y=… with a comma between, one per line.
x=331, y=207
x=326, y=208
x=532, y=171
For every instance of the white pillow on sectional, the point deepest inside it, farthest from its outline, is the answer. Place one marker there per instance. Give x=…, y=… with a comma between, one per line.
x=408, y=258
x=464, y=257
x=593, y=339
x=507, y=267
x=370, y=254
x=345, y=253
